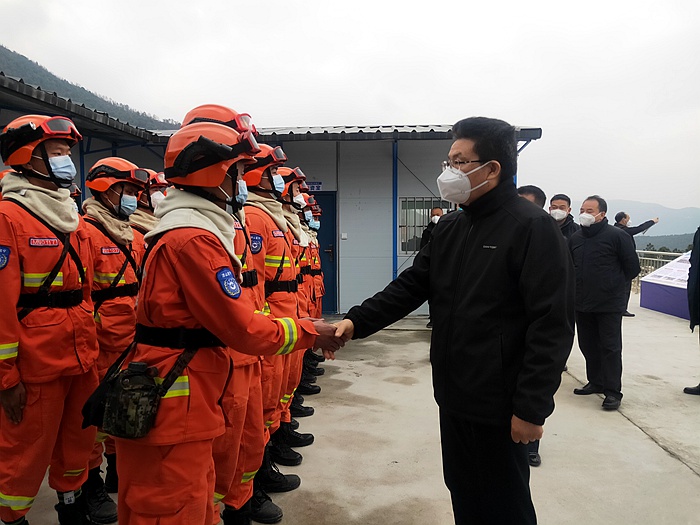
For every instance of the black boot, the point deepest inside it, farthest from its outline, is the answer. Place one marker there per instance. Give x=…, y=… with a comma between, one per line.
x=294, y=423
x=100, y=507
x=71, y=508
x=240, y=516
x=313, y=369
x=282, y=453
x=297, y=409
x=313, y=356
x=308, y=389
x=308, y=378
x=262, y=509
x=111, y=477
x=270, y=479
x=293, y=438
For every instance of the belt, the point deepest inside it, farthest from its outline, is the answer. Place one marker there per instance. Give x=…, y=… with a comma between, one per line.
x=281, y=286
x=250, y=279
x=126, y=290
x=190, y=338
x=65, y=299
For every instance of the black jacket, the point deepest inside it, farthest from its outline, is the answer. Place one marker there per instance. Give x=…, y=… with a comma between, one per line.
x=634, y=230
x=500, y=285
x=694, y=282
x=605, y=261
x=425, y=238
x=569, y=227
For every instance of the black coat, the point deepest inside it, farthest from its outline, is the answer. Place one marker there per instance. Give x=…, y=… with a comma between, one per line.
x=500, y=285
x=634, y=230
x=605, y=261
x=694, y=282
x=569, y=227
x=425, y=238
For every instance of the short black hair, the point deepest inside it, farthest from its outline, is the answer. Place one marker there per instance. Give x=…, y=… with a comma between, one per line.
x=493, y=140
x=561, y=197
x=602, y=205
x=620, y=215
x=540, y=197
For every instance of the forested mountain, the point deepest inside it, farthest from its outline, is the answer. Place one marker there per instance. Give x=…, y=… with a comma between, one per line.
x=18, y=66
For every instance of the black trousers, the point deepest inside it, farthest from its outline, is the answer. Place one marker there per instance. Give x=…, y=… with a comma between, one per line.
x=488, y=475
x=600, y=341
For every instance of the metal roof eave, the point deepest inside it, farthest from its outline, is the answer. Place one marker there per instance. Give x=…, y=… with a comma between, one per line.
x=19, y=96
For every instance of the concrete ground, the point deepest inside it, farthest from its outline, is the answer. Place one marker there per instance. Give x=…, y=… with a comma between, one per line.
x=376, y=458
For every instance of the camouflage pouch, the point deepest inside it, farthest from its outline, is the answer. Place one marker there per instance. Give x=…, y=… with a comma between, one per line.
x=131, y=402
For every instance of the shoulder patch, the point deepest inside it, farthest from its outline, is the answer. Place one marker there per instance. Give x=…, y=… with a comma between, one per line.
x=277, y=233
x=255, y=242
x=4, y=256
x=43, y=242
x=228, y=283
x=110, y=250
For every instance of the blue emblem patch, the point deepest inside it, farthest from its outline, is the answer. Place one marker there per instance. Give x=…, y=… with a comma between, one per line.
x=255, y=243
x=228, y=283
x=4, y=256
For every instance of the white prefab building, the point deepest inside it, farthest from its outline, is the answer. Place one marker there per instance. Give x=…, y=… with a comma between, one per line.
x=375, y=184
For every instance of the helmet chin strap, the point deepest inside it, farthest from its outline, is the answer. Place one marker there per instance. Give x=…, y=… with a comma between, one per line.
x=50, y=176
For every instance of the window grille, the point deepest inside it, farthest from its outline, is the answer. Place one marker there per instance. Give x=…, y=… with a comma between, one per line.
x=414, y=217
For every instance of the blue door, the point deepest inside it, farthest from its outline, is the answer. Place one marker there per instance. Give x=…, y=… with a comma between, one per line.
x=328, y=248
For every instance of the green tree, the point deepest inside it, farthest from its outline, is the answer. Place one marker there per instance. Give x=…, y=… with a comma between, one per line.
x=650, y=247
x=664, y=249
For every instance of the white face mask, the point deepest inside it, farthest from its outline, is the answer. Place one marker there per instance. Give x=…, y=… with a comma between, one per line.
x=156, y=198
x=586, y=219
x=434, y=219
x=558, y=215
x=299, y=199
x=455, y=186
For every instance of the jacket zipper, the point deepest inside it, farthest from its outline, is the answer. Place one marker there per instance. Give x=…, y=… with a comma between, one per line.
x=452, y=307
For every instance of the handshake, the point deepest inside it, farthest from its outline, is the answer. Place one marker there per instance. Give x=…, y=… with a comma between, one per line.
x=332, y=337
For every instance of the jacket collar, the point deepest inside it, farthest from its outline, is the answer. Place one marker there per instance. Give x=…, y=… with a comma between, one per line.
x=594, y=229
x=492, y=200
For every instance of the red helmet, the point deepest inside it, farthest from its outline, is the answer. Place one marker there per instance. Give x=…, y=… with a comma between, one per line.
x=220, y=115
x=316, y=210
x=309, y=199
x=268, y=157
x=22, y=135
x=113, y=170
x=290, y=175
x=201, y=154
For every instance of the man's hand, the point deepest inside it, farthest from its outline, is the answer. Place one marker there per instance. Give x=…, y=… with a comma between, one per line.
x=656, y=219
x=326, y=339
x=524, y=432
x=13, y=402
x=344, y=329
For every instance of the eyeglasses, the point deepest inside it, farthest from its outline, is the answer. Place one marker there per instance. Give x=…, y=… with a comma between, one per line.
x=458, y=163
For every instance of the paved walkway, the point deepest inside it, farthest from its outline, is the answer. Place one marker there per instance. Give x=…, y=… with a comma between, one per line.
x=376, y=459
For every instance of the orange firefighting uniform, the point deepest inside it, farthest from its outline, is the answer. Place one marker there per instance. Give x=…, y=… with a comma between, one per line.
x=273, y=261
x=52, y=351
x=296, y=360
x=168, y=476
x=318, y=289
x=115, y=317
x=238, y=453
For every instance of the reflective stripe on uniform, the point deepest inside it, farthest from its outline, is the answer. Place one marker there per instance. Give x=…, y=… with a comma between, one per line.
x=101, y=437
x=73, y=473
x=290, y=335
x=274, y=261
x=181, y=387
x=35, y=280
x=248, y=476
x=285, y=398
x=218, y=497
x=107, y=278
x=15, y=502
x=8, y=350
x=268, y=423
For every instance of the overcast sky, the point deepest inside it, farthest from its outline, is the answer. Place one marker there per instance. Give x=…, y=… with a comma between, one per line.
x=614, y=84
